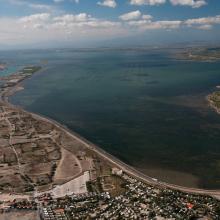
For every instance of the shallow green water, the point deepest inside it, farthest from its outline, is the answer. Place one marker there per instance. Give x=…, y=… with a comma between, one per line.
x=142, y=106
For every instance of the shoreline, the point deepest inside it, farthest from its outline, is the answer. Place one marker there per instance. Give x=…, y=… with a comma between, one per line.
x=99, y=151
x=212, y=103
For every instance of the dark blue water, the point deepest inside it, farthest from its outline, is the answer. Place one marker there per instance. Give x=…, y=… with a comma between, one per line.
x=142, y=106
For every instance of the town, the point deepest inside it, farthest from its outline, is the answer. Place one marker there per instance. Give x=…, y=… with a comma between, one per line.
x=138, y=201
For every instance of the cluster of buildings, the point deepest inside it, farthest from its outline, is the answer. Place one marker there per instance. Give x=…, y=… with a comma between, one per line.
x=18, y=204
x=139, y=201
x=79, y=206
x=49, y=213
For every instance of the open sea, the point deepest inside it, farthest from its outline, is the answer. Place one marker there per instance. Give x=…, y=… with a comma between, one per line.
x=143, y=106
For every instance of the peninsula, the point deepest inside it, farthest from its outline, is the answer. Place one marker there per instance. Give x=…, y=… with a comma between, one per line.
x=214, y=101
x=201, y=54
x=49, y=172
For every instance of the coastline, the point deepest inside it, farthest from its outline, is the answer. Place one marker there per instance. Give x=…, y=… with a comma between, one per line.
x=212, y=103
x=103, y=154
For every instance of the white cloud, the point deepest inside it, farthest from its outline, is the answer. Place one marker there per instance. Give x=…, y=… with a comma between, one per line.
x=76, y=1
x=58, y=1
x=35, y=18
x=73, y=18
x=203, y=21
x=49, y=29
x=35, y=21
x=82, y=22
x=17, y=2
x=135, y=19
x=108, y=3
x=40, y=27
x=131, y=16
x=147, y=2
x=147, y=17
x=192, y=3
x=40, y=7
x=152, y=25
x=144, y=22
x=164, y=25
x=205, y=27
x=35, y=6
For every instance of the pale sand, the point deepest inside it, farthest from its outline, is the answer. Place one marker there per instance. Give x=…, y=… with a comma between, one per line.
x=75, y=186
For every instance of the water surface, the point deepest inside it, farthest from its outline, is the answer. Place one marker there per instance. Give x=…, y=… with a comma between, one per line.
x=142, y=106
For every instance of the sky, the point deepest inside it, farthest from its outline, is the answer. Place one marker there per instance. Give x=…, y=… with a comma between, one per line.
x=82, y=23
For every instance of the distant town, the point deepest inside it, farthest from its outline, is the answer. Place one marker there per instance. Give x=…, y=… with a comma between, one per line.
x=50, y=173
x=200, y=54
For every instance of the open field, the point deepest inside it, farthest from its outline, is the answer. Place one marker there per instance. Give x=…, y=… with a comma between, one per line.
x=20, y=215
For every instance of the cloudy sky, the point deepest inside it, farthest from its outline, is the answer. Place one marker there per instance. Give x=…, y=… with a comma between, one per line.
x=59, y=23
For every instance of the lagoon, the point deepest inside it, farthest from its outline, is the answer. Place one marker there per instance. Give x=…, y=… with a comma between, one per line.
x=143, y=106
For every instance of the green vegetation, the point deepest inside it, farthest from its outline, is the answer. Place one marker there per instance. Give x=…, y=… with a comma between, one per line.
x=215, y=99
x=99, y=184
x=29, y=70
x=89, y=186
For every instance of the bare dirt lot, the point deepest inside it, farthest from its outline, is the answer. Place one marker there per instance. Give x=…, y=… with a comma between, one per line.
x=21, y=215
x=68, y=167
